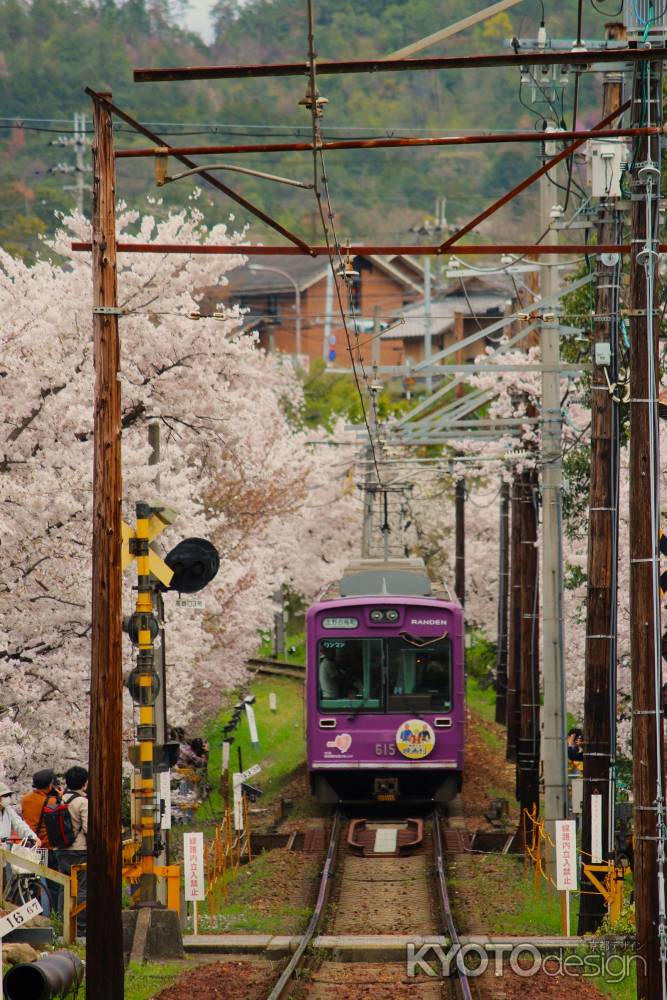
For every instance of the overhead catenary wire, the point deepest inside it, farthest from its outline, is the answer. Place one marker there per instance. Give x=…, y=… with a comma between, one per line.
x=318, y=159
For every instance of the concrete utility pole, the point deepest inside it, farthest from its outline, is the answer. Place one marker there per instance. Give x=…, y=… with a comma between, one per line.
x=376, y=344
x=460, y=526
x=553, y=667
x=104, y=941
x=428, y=337
x=328, y=315
x=513, y=648
x=80, y=159
x=80, y=145
x=367, y=523
x=503, y=589
x=647, y=724
x=279, y=623
x=600, y=696
x=528, y=746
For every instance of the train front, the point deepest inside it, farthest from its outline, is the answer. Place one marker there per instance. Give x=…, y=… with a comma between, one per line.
x=385, y=699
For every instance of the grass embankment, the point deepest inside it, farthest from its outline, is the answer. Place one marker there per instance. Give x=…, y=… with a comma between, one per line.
x=482, y=703
x=295, y=648
x=143, y=982
x=513, y=903
x=271, y=894
x=282, y=745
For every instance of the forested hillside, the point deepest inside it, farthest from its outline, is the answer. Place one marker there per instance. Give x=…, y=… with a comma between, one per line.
x=51, y=49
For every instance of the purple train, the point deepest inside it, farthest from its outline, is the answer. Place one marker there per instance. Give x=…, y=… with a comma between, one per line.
x=385, y=687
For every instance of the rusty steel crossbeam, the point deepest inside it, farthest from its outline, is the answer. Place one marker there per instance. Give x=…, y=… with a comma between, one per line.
x=204, y=174
x=468, y=249
x=503, y=200
x=407, y=141
x=543, y=57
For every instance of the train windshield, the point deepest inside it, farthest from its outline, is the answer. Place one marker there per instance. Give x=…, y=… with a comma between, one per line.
x=419, y=677
x=386, y=675
x=350, y=673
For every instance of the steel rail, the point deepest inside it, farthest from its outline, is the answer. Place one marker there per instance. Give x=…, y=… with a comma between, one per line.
x=407, y=141
x=460, y=977
x=542, y=57
x=280, y=990
x=278, y=668
x=406, y=250
x=269, y=661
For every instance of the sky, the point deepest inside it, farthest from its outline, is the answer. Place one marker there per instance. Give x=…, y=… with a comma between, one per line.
x=198, y=19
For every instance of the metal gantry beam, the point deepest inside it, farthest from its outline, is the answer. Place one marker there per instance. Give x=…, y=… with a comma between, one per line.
x=405, y=142
x=539, y=57
x=364, y=249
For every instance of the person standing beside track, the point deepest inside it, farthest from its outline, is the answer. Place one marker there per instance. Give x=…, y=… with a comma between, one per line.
x=11, y=824
x=76, y=785
x=32, y=808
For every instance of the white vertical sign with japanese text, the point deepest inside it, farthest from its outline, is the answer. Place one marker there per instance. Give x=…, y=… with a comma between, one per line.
x=193, y=866
x=596, y=829
x=165, y=799
x=566, y=854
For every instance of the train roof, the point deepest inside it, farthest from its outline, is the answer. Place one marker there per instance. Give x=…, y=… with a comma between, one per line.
x=386, y=577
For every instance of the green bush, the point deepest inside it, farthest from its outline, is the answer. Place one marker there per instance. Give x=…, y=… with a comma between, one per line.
x=481, y=659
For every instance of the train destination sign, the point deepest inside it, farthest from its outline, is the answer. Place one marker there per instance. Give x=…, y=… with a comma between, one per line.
x=340, y=623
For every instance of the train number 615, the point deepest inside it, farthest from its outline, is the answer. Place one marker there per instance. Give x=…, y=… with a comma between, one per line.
x=385, y=749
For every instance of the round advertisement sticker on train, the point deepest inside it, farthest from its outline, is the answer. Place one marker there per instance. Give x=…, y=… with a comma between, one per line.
x=415, y=739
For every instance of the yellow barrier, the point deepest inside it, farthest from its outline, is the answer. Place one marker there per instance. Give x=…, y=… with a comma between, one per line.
x=223, y=855
x=538, y=848
x=132, y=870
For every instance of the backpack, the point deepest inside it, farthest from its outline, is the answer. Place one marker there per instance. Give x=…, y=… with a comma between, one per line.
x=58, y=821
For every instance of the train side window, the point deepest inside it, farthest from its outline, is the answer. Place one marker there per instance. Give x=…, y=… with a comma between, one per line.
x=349, y=673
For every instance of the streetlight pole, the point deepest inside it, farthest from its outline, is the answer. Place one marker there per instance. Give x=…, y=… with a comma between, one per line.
x=297, y=297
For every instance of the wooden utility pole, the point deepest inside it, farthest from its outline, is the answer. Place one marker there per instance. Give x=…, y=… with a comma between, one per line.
x=460, y=522
x=513, y=645
x=600, y=693
x=528, y=748
x=104, y=942
x=503, y=588
x=647, y=728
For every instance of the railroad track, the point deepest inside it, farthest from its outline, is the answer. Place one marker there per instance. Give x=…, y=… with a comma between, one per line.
x=279, y=668
x=382, y=899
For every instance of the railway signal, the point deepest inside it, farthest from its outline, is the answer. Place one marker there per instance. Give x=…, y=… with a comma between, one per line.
x=193, y=563
x=143, y=630
x=157, y=519
x=187, y=568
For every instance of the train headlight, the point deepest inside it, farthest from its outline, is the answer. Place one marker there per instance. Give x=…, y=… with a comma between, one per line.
x=392, y=615
x=377, y=616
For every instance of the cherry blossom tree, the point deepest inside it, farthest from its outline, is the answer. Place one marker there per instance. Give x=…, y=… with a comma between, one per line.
x=232, y=464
